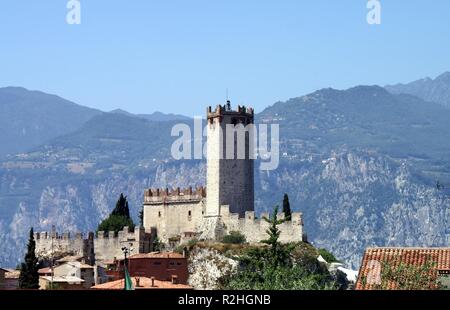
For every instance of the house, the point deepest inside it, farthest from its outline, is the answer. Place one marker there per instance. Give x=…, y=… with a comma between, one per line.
x=9, y=279
x=76, y=269
x=68, y=275
x=142, y=283
x=162, y=266
x=382, y=267
x=46, y=271
x=61, y=282
x=69, y=259
x=2, y=276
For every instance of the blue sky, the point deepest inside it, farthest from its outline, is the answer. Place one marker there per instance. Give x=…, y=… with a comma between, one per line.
x=180, y=56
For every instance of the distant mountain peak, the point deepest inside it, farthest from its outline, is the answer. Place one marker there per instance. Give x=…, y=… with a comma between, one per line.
x=155, y=116
x=434, y=90
x=444, y=77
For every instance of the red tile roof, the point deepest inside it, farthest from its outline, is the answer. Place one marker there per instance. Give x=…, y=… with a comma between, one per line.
x=144, y=283
x=157, y=255
x=370, y=269
x=45, y=270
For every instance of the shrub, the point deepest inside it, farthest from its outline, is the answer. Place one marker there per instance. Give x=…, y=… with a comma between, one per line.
x=234, y=237
x=329, y=257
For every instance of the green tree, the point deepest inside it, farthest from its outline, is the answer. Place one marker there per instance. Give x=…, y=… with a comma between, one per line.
x=119, y=217
x=29, y=276
x=277, y=267
x=287, y=207
x=122, y=207
x=279, y=254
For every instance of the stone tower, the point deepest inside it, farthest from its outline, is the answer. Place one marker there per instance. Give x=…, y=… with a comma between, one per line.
x=229, y=181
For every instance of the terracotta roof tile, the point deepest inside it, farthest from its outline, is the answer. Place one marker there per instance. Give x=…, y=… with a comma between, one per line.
x=157, y=255
x=371, y=267
x=45, y=270
x=144, y=283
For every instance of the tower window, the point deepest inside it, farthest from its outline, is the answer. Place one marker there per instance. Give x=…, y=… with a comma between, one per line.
x=159, y=213
x=189, y=213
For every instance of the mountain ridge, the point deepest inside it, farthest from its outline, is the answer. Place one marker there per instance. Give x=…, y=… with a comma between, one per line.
x=361, y=164
x=434, y=90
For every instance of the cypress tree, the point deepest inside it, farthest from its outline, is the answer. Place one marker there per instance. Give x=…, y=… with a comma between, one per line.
x=287, y=207
x=29, y=276
x=122, y=207
x=119, y=217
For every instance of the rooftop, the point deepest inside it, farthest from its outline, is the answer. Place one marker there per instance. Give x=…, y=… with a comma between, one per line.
x=70, y=258
x=157, y=255
x=373, y=257
x=144, y=283
x=45, y=270
x=63, y=279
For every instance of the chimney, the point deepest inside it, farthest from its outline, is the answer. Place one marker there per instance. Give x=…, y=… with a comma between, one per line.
x=174, y=279
x=153, y=281
x=137, y=281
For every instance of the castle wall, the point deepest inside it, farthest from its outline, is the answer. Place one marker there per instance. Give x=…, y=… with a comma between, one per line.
x=106, y=246
x=254, y=229
x=52, y=243
x=173, y=213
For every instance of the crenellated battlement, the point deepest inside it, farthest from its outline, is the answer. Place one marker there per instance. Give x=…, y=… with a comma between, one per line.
x=242, y=113
x=45, y=235
x=159, y=196
x=91, y=246
x=255, y=228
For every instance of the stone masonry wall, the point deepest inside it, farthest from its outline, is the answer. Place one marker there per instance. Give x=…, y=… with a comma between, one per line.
x=106, y=246
x=254, y=229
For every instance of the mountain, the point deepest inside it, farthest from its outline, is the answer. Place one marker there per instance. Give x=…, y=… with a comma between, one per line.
x=155, y=116
x=361, y=164
x=437, y=90
x=31, y=118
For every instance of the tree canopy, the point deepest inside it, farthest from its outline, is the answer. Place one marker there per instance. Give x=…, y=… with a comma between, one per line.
x=119, y=217
x=278, y=267
x=287, y=207
x=29, y=276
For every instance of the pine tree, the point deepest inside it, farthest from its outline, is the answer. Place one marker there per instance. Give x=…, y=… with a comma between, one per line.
x=278, y=252
x=29, y=276
x=287, y=208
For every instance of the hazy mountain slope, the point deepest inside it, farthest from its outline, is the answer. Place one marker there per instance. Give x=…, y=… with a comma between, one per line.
x=437, y=90
x=155, y=116
x=361, y=164
x=30, y=118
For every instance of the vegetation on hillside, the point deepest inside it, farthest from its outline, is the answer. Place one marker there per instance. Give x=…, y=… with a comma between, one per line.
x=235, y=237
x=279, y=266
x=119, y=217
x=329, y=257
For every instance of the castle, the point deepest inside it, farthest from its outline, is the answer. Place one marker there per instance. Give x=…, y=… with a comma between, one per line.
x=179, y=215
